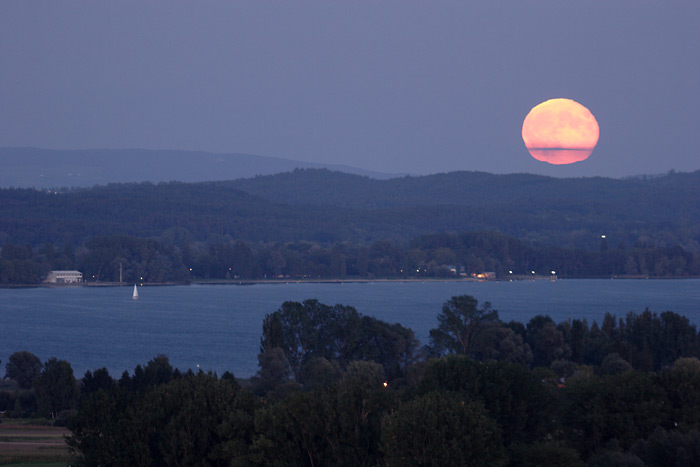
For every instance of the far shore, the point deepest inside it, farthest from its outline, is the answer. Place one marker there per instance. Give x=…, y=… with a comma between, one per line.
x=291, y=280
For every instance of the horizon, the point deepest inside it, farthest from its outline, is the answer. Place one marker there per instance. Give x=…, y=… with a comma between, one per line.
x=103, y=171
x=391, y=87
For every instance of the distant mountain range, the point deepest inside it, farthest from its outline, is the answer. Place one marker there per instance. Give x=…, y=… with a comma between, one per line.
x=46, y=168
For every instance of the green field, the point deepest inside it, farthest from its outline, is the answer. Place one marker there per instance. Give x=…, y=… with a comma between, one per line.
x=31, y=443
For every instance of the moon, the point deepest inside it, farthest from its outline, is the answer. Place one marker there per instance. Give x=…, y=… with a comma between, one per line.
x=560, y=131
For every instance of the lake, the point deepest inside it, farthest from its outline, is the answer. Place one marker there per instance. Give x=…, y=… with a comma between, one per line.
x=218, y=327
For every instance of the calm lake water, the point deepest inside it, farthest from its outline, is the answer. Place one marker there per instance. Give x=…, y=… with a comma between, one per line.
x=218, y=327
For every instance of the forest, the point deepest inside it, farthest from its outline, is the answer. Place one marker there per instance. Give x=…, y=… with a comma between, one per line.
x=447, y=256
x=314, y=223
x=335, y=387
x=332, y=207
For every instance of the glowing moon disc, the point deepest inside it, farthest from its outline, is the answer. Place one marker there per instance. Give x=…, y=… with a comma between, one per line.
x=560, y=131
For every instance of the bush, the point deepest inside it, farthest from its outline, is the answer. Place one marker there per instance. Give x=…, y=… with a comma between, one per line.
x=64, y=417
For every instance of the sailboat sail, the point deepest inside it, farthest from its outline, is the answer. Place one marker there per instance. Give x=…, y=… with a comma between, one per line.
x=136, y=293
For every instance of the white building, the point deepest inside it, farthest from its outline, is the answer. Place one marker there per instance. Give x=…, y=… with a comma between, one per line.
x=64, y=277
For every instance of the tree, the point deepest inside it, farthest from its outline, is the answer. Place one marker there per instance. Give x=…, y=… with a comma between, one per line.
x=547, y=342
x=93, y=382
x=576, y=340
x=310, y=329
x=622, y=407
x=24, y=367
x=158, y=370
x=515, y=397
x=320, y=373
x=669, y=448
x=275, y=371
x=56, y=388
x=614, y=364
x=460, y=321
x=337, y=424
x=301, y=429
x=499, y=342
x=682, y=385
x=549, y=453
x=199, y=420
x=441, y=428
x=196, y=420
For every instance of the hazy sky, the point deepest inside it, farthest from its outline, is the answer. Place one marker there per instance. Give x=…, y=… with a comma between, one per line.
x=393, y=86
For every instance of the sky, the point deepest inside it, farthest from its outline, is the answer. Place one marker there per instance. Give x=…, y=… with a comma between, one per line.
x=394, y=86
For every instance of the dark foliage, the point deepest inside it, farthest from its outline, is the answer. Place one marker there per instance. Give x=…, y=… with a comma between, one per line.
x=339, y=388
x=442, y=428
x=56, y=388
x=329, y=207
x=513, y=396
x=24, y=367
x=175, y=258
x=196, y=420
x=310, y=330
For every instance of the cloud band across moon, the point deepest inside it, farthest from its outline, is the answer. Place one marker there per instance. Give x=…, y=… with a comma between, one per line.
x=560, y=131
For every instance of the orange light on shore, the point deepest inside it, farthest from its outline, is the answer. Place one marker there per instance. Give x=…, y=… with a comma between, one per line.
x=560, y=131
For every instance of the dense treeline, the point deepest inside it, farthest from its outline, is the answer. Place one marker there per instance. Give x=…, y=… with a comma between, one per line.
x=174, y=258
x=338, y=388
x=331, y=207
x=322, y=224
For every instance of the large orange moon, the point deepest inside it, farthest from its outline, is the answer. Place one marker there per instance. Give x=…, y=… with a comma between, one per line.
x=560, y=131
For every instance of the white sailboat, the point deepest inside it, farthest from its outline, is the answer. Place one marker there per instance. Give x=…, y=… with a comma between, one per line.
x=136, y=293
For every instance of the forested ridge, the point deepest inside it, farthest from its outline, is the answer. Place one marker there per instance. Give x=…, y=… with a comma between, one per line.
x=335, y=387
x=324, y=187
x=308, y=204
x=317, y=223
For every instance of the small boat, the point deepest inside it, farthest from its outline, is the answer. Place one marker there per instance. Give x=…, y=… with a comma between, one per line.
x=136, y=293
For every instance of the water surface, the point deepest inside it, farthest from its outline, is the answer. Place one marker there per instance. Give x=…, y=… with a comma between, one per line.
x=218, y=327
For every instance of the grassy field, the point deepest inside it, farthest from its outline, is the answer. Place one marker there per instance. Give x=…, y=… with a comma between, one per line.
x=31, y=443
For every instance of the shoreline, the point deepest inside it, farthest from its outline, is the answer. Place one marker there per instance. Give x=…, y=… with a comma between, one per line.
x=290, y=280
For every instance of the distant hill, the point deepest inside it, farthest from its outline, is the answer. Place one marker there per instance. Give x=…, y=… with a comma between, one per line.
x=672, y=198
x=44, y=168
x=329, y=188
x=325, y=206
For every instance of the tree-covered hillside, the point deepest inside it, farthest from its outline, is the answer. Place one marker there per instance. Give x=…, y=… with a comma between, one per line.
x=323, y=187
x=328, y=207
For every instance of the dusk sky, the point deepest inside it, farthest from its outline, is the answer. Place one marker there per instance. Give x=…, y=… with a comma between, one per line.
x=394, y=86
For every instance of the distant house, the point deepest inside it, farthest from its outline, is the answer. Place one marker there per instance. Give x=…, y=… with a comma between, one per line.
x=64, y=277
x=490, y=275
